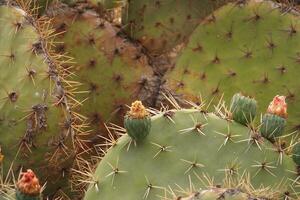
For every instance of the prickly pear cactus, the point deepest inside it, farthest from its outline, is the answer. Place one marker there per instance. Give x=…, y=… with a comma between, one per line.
x=36, y=118
x=252, y=47
x=162, y=24
x=112, y=71
x=184, y=149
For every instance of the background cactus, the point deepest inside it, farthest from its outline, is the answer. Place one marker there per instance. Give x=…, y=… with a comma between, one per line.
x=251, y=47
x=161, y=25
x=112, y=71
x=184, y=147
x=38, y=128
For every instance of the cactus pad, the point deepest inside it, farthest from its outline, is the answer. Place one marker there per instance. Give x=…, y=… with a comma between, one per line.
x=36, y=117
x=161, y=25
x=112, y=71
x=183, y=147
x=252, y=48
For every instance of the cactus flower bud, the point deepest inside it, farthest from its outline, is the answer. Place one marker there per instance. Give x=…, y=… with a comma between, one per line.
x=137, y=110
x=29, y=184
x=137, y=121
x=274, y=121
x=278, y=106
x=243, y=109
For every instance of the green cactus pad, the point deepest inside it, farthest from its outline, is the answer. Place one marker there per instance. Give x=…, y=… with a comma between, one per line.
x=243, y=109
x=182, y=147
x=252, y=48
x=36, y=117
x=112, y=71
x=161, y=25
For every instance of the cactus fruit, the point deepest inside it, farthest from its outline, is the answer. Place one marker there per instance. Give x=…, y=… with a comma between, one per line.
x=273, y=123
x=161, y=25
x=112, y=71
x=186, y=145
x=28, y=187
x=250, y=47
x=137, y=122
x=243, y=109
x=38, y=128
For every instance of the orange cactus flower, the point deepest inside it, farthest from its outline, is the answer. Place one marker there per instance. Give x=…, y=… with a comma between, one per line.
x=137, y=110
x=29, y=183
x=278, y=106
